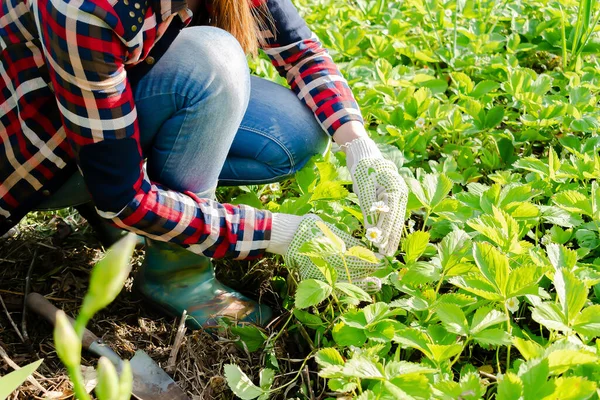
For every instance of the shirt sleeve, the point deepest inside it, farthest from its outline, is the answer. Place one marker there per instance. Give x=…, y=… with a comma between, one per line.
x=308, y=68
x=86, y=61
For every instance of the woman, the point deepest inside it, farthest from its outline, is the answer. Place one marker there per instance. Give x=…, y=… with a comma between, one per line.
x=103, y=85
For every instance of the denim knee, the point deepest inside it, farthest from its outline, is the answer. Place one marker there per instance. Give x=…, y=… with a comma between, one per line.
x=216, y=56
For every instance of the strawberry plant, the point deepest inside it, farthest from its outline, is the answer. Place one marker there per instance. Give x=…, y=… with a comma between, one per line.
x=489, y=110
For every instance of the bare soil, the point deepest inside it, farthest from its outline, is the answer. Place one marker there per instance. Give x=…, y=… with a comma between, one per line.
x=60, y=271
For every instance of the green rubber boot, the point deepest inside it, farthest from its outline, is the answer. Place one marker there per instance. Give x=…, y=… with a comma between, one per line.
x=176, y=279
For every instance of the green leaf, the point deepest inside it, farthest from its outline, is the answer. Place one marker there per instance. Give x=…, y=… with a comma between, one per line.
x=510, y=387
x=362, y=253
x=310, y=320
x=329, y=190
x=353, y=291
x=483, y=88
x=329, y=356
x=571, y=293
x=528, y=348
x=453, y=318
x=414, y=245
x=492, y=264
x=551, y=316
x=561, y=257
x=572, y=388
x=477, y=286
x=523, y=281
x=311, y=292
x=345, y=335
x=266, y=377
x=441, y=352
x=494, y=117
x=560, y=360
x=250, y=335
x=250, y=199
x=494, y=336
x=436, y=187
x=485, y=317
x=319, y=247
x=362, y=367
x=573, y=201
x=240, y=384
x=588, y=321
x=9, y=383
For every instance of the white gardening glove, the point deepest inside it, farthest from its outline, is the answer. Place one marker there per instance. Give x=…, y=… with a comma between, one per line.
x=290, y=232
x=381, y=191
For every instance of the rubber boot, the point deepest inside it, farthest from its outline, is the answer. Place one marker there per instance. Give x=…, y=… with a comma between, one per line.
x=176, y=279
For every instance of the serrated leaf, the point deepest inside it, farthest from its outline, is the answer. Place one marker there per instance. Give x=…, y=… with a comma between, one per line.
x=329, y=190
x=250, y=335
x=266, y=377
x=362, y=367
x=572, y=388
x=453, y=319
x=492, y=264
x=528, y=348
x=338, y=243
x=560, y=360
x=523, y=281
x=308, y=319
x=493, y=336
x=440, y=352
x=311, y=292
x=414, y=245
x=550, y=315
x=353, y=291
x=329, y=356
x=588, y=321
x=477, y=286
x=240, y=384
x=485, y=317
x=345, y=335
x=571, y=293
x=510, y=387
x=436, y=188
x=362, y=253
x=561, y=257
x=573, y=201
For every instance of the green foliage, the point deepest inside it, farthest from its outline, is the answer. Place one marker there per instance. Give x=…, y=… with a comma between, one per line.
x=489, y=110
x=10, y=382
x=106, y=281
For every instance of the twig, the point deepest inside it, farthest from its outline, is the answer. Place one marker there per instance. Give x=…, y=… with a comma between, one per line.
x=11, y=320
x=61, y=299
x=172, y=362
x=489, y=376
x=306, y=376
x=8, y=261
x=27, y=289
x=14, y=366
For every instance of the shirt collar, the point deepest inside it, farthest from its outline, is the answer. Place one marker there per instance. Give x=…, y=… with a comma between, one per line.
x=165, y=8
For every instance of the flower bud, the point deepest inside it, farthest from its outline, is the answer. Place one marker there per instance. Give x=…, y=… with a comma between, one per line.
x=66, y=341
x=125, y=381
x=108, y=381
x=108, y=276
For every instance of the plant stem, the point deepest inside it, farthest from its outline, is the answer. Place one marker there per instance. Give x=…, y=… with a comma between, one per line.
x=346, y=267
x=564, y=38
x=509, y=330
x=78, y=383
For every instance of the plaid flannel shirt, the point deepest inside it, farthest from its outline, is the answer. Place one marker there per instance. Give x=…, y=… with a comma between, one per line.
x=66, y=100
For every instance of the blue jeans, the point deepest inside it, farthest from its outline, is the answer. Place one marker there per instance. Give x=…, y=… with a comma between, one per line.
x=204, y=121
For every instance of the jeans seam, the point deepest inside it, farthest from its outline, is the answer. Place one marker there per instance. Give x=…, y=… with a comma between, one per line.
x=279, y=143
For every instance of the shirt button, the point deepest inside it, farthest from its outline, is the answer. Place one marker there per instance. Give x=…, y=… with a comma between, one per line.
x=46, y=192
x=150, y=60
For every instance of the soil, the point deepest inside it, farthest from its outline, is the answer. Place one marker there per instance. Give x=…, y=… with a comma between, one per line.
x=61, y=258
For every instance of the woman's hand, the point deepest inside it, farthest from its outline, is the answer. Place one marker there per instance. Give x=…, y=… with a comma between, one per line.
x=290, y=232
x=381, y=191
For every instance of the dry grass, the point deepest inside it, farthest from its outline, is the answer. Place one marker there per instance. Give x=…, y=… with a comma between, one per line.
x=60, y=271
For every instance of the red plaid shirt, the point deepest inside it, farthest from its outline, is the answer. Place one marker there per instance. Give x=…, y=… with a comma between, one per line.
x=66, y=100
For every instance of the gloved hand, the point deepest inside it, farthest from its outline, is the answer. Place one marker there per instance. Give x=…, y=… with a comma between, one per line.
x=290, y=232
x=381, y=191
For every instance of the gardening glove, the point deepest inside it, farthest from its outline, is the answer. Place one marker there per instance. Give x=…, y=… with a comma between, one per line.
x=290, y=232
x=381, y=191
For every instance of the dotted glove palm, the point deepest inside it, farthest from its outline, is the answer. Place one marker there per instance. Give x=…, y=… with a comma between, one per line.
x=290, y=232
x=381, y=191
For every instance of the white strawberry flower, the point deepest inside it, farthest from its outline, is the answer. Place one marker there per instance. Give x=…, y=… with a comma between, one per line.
x=274, y=187
x=420, y=123
x=380, y=207
x=374, y=235
x=448, y=13
x=512, y=304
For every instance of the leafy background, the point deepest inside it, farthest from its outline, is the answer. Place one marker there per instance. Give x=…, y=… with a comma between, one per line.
x=489, y=110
